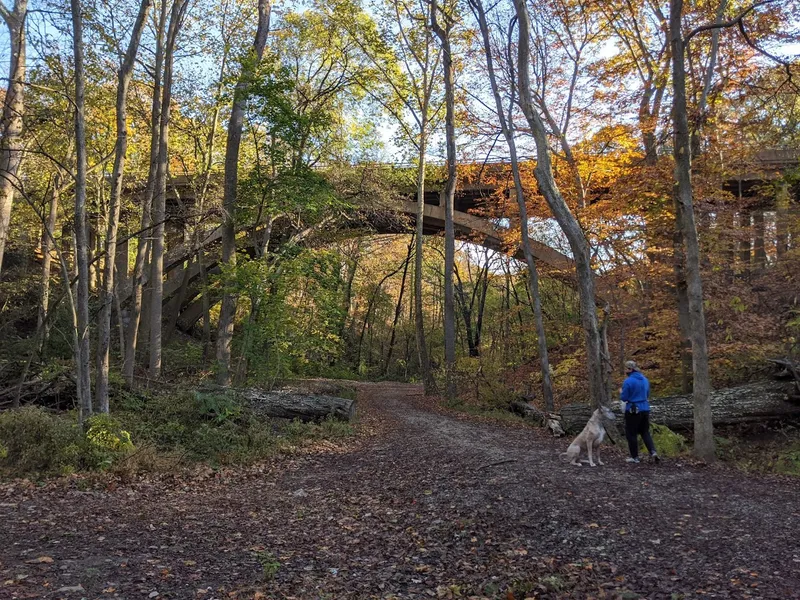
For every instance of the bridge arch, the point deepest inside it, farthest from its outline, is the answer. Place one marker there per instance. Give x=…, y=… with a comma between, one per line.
x=182, y=286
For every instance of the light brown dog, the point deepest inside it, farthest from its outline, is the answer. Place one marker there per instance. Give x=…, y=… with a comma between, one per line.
x=590, y=438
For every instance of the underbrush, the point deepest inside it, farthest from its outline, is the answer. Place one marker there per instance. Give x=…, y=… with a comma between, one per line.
x=34, y=440
x=761, y=450
x=487, y=411
x=145, y=433
x=669, y=444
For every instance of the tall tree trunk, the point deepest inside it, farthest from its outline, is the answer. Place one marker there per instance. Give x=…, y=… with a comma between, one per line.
x=759, y=240
x=48, y=234
x=684, y=320
x=484, y=288
x=449, y=200
x=530, y=261
x=562, y=214
x=419, y=315
x=782, y=221
x=209, y=162
x=745, y=246
x=347, y=298
x=143, y=247
x=398, y=308
x=708, y=78
x=82, y=357
x=107, y=297
x=466, y=315
x=371, y=303
x=228, y=309
x=160, y=196
x=13, y=110
x=66, y=279
x=728, y=249
x=703, y=425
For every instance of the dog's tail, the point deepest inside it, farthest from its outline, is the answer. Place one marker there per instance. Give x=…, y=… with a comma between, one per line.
x=564, y=456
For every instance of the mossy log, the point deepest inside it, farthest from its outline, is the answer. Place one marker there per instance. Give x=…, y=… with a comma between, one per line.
x=760, y=401
x=291, y=404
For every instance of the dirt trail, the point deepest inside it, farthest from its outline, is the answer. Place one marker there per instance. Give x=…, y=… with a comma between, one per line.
x=421, y=510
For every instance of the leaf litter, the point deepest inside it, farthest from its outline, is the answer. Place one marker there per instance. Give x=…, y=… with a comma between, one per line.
x=408, y=510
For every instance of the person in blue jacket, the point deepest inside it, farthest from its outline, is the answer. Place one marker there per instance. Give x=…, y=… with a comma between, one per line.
x=634, y=401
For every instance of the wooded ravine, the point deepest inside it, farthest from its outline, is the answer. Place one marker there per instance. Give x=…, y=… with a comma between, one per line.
x=228, y=228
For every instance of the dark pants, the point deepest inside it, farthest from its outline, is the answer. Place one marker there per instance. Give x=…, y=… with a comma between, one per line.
x=635, y=426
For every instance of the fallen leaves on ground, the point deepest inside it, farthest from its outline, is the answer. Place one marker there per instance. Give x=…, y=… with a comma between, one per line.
x=407, y=512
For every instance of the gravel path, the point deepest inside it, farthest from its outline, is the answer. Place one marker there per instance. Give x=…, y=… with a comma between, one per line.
x=431, y=506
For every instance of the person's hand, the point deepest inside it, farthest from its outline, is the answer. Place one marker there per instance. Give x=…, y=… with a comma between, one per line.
x=622, y=405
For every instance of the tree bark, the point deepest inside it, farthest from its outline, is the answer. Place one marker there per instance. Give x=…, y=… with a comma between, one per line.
x=703, y=424
x=371, y=303
x=745, y=245
x=449, y=200
x=466, y=315
x=682, y=302
x=530, y=261
x=209, y=162
x=759, y=248
x=66, y=279
x=48, y=234
x=483, y=290
x=708, y=78
x=143, y=248
x=352, y=266
x=82, y=351
x=107, y=297
x=235, y=125
x=419, y=315
x=398, y=308
x=288, y=404
x=782, y=221
x=160, y=196
x=561, y=212
x=11, y=146
x=759, y=401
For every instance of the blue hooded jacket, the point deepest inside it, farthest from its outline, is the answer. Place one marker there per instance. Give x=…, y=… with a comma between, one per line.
x=636, y=389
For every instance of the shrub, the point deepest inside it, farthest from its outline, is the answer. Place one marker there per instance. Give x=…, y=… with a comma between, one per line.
x=37, y=441
x=219, y=407
x=668, y=443
x=203, y=426
x=788, y=462
x=105, y=442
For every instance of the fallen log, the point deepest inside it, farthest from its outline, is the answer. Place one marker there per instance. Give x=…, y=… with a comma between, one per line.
x=789, y=370
x=761, y=401
x=291, y=404
x=527, y=411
